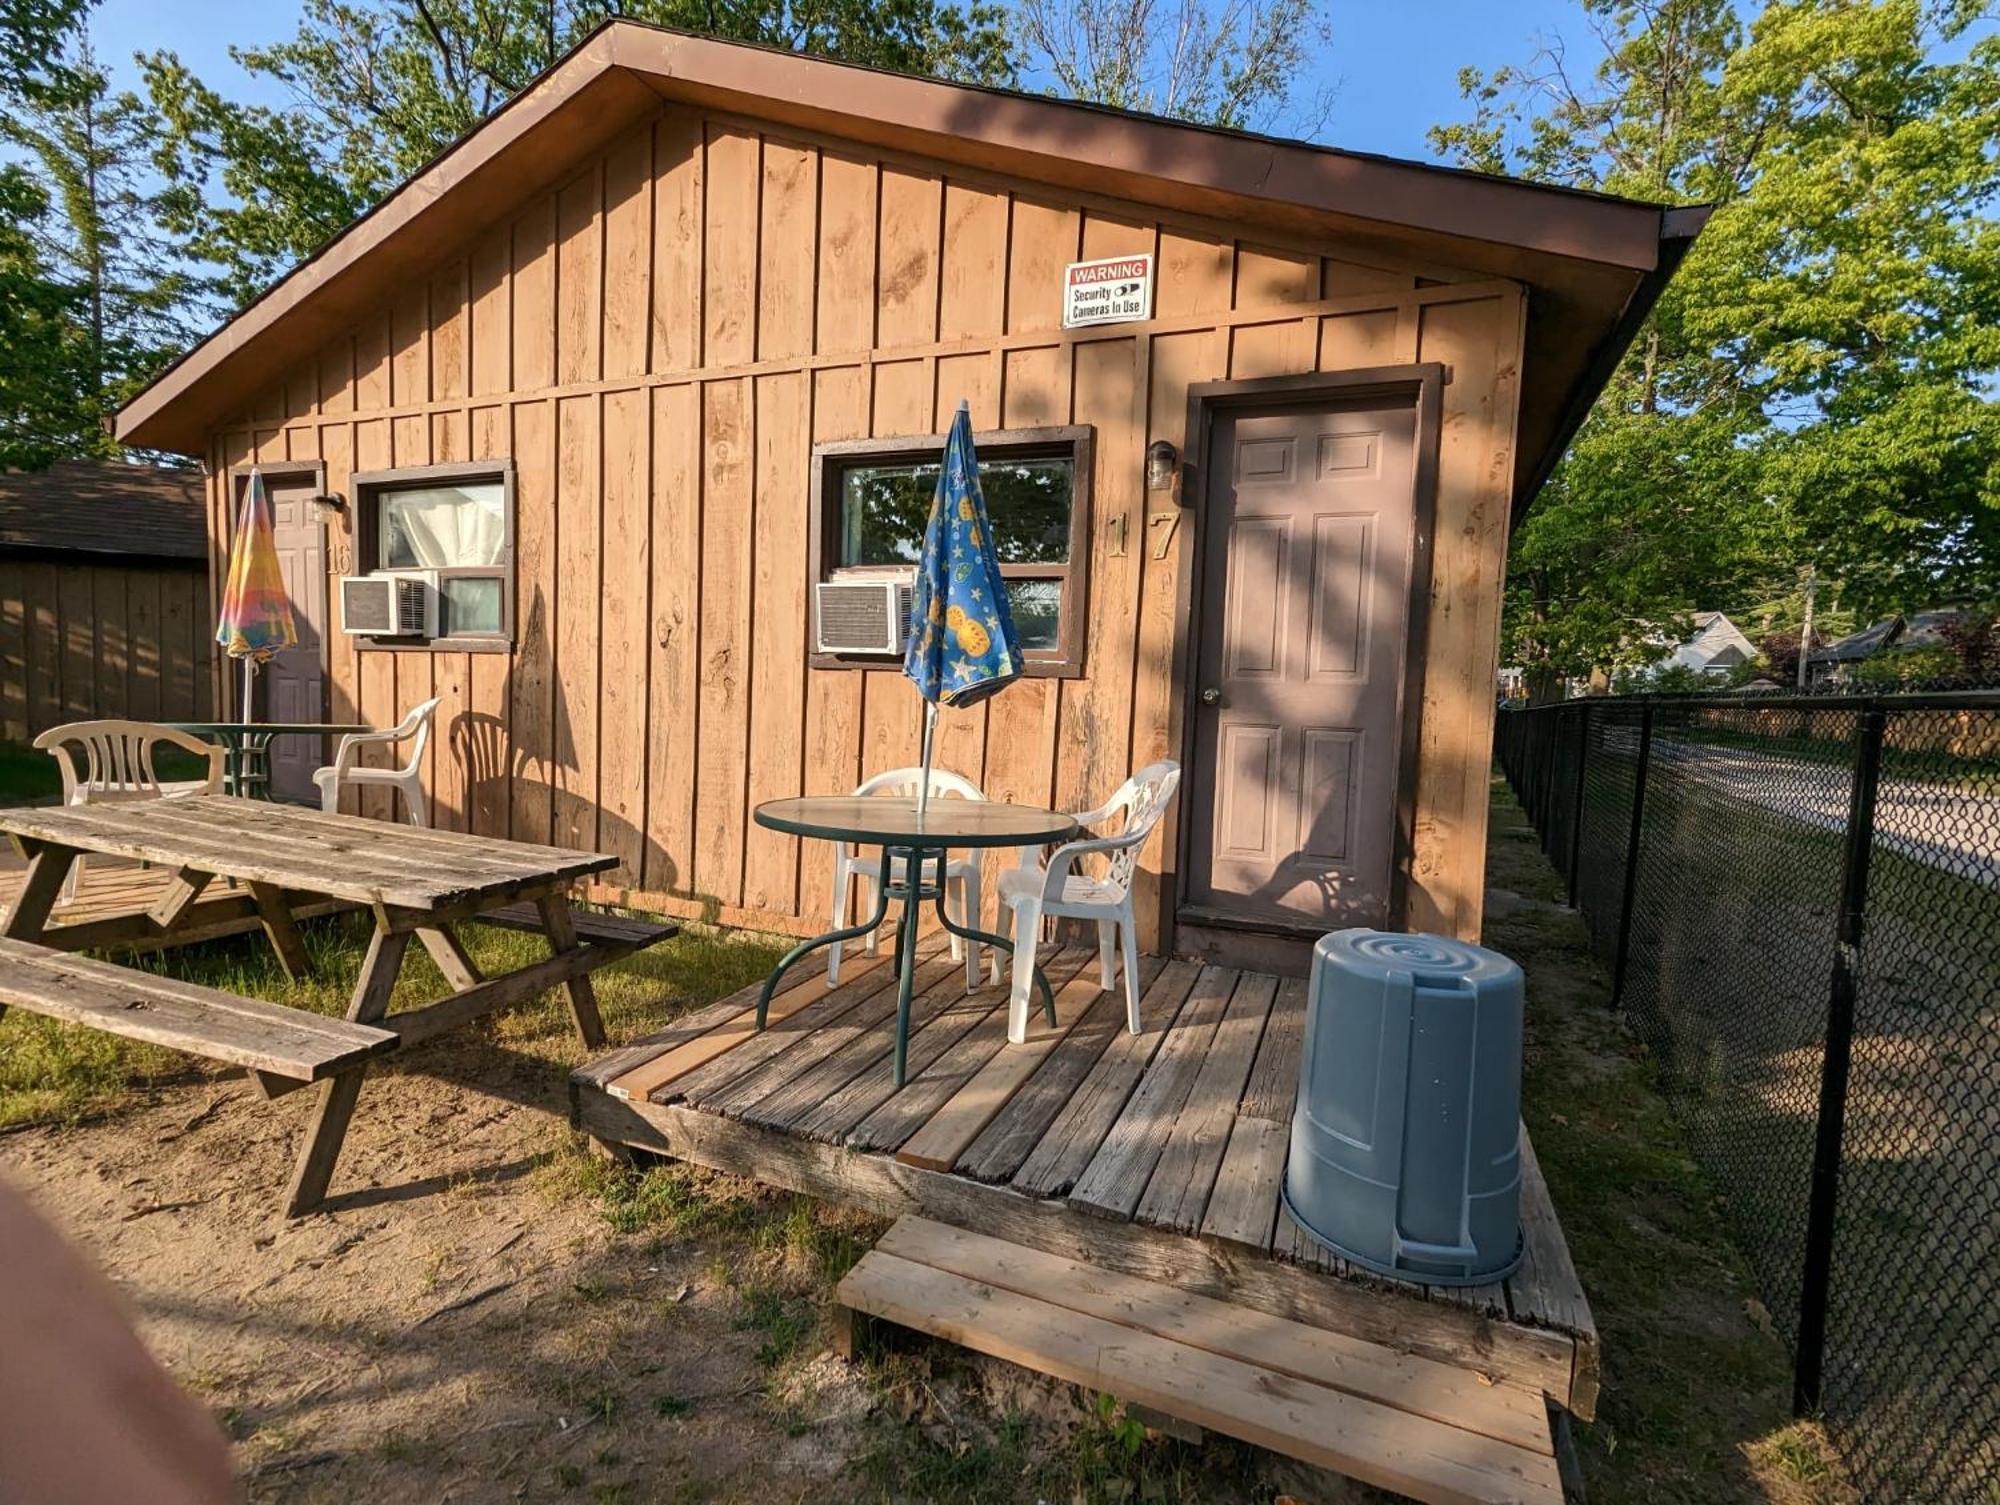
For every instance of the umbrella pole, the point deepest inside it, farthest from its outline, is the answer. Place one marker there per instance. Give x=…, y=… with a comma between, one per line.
x=249, y=678
x=930, y=731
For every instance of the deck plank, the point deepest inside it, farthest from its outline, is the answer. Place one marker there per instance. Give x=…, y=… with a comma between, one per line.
x=1545, y=1290
x=870, y=1088
x=827, y=1059
x=1053, y=1166
x=1243, y=1208
x=895, y=1121
x=1177, y=1194
x=1424, y=1387
x=1118, y=1173
x=1015, y=1131
x=1331, y=1428
x=748, y=1048
x=959, y=1120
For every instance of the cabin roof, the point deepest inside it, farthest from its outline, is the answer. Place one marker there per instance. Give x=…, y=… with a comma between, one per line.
x=1593, y=263
x=104, y=507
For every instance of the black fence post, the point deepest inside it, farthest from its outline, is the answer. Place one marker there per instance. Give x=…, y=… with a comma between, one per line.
x=1632, y=853
x=1576, y=806
x=1817, y=1273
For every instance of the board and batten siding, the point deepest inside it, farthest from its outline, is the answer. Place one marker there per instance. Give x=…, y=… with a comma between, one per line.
x=658, y=344
x=83, y=641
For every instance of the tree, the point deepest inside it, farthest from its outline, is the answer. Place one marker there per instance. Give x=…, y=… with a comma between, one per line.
x=1812, y=387
x=94, y=222
x=1220, y=62
x=46, y=406
x=380, y=87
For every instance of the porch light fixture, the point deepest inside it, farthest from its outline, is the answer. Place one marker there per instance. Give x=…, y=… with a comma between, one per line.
x=1162, y=460
x=329, y=505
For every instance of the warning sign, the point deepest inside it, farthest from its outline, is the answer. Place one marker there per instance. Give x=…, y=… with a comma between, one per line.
x=1108, y=291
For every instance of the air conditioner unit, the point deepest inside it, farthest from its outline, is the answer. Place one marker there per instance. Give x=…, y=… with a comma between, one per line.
x=392, y=605
x=863, y=611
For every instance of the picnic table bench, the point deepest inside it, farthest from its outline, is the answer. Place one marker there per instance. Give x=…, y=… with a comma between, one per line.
x=419, y=884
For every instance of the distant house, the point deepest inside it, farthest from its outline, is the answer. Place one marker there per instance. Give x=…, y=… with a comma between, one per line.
x=1895, y=634
x=1715, y=647
x=104, y=607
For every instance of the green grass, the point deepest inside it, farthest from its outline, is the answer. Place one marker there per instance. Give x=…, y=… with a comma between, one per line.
x=1694, y=1383
x=27, y=775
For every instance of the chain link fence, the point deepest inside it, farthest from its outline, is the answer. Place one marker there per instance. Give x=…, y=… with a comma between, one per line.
x=1799, y=903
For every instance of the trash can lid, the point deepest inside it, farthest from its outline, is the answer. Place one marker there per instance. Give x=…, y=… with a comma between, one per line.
x=1436, y=960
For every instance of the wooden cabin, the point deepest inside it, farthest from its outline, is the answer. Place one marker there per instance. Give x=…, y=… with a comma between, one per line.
x=104, y=600
x=670, y=339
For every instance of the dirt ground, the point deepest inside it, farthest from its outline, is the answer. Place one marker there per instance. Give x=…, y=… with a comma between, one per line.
x=489, y=1311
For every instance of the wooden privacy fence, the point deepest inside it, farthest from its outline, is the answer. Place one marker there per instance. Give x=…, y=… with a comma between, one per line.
x=85, y=640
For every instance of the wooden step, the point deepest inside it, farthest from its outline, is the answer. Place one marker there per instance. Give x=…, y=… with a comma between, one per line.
x=203, y=1021
x=593, y=926
x=1422, y=1428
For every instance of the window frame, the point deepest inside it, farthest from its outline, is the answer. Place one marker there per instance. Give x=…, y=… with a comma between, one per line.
x=1074, y=442
x=368, y=487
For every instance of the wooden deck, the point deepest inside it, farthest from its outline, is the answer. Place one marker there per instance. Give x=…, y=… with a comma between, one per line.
x=114, y=898
x=1157, y=1156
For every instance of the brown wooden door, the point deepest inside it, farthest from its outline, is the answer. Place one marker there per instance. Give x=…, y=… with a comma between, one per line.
x=1303, y=633
x=293, y=684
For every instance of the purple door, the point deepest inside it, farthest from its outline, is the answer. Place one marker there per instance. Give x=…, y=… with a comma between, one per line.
x=1303, y=631
x=293, y=684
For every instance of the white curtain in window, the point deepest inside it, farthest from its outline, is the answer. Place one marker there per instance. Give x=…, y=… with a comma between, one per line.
x=439, y=527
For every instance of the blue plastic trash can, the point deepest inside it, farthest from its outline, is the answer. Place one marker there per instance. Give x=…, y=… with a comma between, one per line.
x=1406, y=1149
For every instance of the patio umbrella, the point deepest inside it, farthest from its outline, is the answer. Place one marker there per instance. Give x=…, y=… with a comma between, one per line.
x=962, y=644
x=256, y=612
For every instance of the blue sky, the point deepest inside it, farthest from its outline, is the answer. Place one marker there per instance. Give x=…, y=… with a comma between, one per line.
x=1394, y=67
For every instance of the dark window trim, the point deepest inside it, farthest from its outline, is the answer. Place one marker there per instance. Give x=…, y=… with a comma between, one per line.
x=1075, y=441
x=369, y=484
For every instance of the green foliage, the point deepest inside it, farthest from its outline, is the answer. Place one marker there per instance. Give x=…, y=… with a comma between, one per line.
x=381, y=87
x=96, y=293
x=1816, y=385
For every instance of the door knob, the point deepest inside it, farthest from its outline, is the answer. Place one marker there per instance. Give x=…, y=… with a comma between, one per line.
x=1211, y=696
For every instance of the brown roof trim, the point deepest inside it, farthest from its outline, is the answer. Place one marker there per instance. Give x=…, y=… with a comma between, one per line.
x=1678, y=228
x=624, y=68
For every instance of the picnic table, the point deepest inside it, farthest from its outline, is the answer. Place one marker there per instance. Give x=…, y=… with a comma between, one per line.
x=419, y=884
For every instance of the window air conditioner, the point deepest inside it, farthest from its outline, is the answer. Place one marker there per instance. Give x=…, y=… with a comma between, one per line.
x=863, y=611
x=394, y=605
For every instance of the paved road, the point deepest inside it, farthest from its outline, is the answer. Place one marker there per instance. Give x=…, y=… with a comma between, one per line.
x=1946, y=826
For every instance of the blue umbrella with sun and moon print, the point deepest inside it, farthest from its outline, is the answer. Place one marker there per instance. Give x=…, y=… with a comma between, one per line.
x=962, y=644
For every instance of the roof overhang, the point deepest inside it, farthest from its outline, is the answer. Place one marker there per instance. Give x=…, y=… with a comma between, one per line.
x=1592, y=264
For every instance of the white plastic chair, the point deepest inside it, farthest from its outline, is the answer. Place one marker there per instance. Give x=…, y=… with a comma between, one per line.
x=118, y=767
x=1055, y=890
x=961, y=874
x=345, y=773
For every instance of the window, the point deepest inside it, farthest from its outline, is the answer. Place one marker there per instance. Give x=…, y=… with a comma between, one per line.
x=872, y=500
x=453, y=521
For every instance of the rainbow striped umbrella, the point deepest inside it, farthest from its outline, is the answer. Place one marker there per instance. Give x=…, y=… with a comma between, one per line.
x=256, y=612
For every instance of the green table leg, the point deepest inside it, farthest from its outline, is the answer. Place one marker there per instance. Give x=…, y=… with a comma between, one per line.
x=852, y=932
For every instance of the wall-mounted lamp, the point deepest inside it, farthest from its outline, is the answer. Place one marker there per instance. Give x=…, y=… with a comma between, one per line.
x=1162, y=460
x=329, y=505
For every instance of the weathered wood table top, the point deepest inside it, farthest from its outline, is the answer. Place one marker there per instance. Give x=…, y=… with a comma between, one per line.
x=288, y=846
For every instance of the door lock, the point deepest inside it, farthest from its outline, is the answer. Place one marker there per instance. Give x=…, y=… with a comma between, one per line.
x=1211, y=696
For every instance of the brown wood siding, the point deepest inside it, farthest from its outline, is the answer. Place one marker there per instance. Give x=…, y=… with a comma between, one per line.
x=81, y=641
x=660, y=341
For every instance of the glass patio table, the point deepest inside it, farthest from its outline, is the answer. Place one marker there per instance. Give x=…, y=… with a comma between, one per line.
x=246, y=747
x=920, y=841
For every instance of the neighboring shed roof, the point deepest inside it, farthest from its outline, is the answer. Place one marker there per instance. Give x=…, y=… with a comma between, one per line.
x=104, y=507
x=1593, y=264
x=1859, y=645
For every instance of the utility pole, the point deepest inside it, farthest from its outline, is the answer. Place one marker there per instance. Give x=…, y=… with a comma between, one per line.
x=1806, y=623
